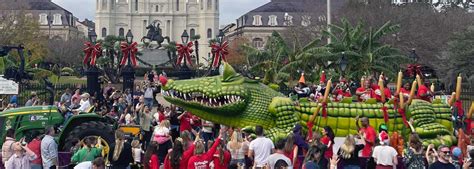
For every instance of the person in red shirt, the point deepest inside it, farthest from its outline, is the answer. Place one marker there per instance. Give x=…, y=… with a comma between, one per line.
x=185, y=122
x=369, y=133
x=363, y=93
x=405, y=90
x=151, y=157
x=347, y=92
x=424, y=92
x=328, y=140
x=221, y=158
x=201, y=159
x=178, y=157
x=35, y=146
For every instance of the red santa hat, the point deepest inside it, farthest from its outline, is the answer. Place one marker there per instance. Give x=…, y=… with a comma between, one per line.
x=383, y=137
x=323, y=77
x=163, y=80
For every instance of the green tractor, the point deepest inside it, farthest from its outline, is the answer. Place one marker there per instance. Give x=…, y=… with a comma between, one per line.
x=27, y=119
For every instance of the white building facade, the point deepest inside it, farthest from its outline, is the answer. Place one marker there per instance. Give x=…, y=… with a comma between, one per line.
x=198, y=17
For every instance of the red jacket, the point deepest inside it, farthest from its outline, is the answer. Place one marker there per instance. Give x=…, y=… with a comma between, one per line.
x=35, y=146
x=217, y=162
x=202, y=161
x=184, y=159
x=154, y=162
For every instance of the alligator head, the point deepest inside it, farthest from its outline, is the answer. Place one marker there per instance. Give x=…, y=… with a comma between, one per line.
x=229, y=99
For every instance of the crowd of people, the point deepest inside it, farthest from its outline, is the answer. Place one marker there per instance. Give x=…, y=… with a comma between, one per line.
x=173, y=138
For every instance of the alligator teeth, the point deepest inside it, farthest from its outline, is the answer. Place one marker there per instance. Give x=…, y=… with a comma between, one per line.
x=202, y=101
x=215, y=101
x=220, y=104
x=210, y=100
x=185, y=96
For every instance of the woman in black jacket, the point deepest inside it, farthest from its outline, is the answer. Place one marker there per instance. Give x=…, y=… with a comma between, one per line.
x=120, y=155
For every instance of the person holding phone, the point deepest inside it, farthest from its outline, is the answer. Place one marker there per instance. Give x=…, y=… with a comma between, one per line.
x=21, y=157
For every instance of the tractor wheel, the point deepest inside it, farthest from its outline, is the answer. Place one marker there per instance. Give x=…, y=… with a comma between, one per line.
x=92, y=128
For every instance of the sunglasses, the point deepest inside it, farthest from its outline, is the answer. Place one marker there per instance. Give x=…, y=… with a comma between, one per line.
x=445, y=152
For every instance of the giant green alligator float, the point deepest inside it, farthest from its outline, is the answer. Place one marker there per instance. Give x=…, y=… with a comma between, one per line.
x=233, y=100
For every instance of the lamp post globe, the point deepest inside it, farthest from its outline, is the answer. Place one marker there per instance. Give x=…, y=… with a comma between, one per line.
x=220, y=37
x=184, y=37
x=129, y=37
x=413, y=56
x=92, y=36
x=343, y=63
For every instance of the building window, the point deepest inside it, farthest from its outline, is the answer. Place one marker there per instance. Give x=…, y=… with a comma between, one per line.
x=288, y=20
x=43, y=19
x=257, y=43
x=121, y=32
x=217, y=5
x=104, y=32
x=201, y=2
x=112, y=4
x=57, y=19
x=192, y=32
x=136, y=5
x=177, y=5
x=209, y=4
x=157, y=8
x=306, y=20
x=272, y=20
x=209, y=33
x=257, y=20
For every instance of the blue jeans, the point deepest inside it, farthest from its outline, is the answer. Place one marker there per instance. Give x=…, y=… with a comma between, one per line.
x=36, y=166
x=351, y=167
x=149, y=102
x=237, y=161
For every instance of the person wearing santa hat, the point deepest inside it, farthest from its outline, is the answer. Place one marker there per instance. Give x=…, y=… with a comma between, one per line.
x=384, y=155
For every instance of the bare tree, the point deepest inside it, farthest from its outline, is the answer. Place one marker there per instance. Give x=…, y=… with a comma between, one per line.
x=65, y=53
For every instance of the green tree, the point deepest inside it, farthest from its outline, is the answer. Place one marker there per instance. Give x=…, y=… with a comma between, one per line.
x=461, y=57
x=364, y=50
x=110, y=66
x=278, y=63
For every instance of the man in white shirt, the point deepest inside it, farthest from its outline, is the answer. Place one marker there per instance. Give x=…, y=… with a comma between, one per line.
x=279, y=157
x=85, y=103
x=260, y=148
x=385, y=155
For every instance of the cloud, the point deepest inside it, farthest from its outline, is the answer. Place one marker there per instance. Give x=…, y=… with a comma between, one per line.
x=230, y=10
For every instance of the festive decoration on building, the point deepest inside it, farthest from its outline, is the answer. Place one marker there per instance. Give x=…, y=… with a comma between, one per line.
x=219, y=51
x=184, y=52
x=92, y=51
x=129, y=50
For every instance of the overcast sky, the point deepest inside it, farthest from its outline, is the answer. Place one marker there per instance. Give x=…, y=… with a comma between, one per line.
x=229, y=9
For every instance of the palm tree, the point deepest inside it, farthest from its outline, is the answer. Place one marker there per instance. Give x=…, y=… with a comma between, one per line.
x=277, y=63
x=364, y=50
x=12, y=61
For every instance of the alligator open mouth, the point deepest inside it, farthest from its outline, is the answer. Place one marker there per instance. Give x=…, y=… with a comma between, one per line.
x=200, y=98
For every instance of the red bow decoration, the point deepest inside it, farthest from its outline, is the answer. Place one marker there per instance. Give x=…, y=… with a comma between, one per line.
x=325, y=105
x=184, y=52
x=219, y=51
x=404, y=116
x=414, y=69
x=385, y=113
x=92, y=52
x=132, y=48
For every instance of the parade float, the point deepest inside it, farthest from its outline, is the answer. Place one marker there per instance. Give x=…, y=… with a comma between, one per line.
x=233, y=100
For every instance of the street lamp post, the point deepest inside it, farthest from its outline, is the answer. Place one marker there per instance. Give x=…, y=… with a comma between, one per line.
x=220, y=41
x=413, y=56
x=343, y=63
x=128, y=73
x=92, y=72
x=184, y=41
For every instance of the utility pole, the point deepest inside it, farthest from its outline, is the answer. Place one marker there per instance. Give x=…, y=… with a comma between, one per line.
x=329, y=18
